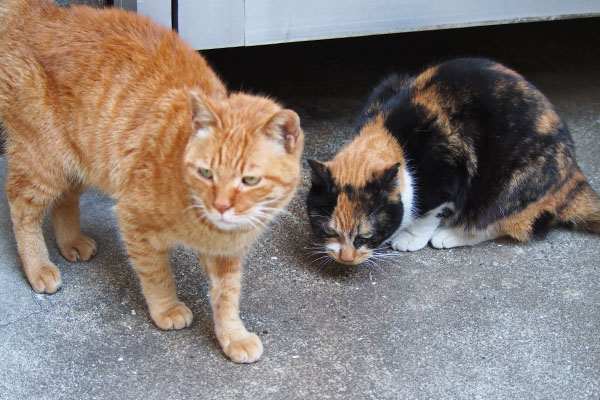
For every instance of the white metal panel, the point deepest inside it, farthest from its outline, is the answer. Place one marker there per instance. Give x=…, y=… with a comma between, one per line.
x=158, y=10
x=212, y=23
x=274, y=21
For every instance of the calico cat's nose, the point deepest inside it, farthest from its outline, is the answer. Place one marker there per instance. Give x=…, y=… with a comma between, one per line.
x=347, y=254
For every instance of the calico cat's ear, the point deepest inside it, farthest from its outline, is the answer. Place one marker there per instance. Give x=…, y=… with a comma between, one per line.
x=389, y=175
x=284, y=126
x=320, y=175
x=203, y=114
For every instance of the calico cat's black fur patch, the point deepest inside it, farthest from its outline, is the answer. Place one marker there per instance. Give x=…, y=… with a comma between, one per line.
x=477, y=144
x=371, y=199
x=495, y=113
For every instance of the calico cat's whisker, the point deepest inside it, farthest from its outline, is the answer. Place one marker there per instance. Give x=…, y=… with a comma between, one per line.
x=384, y=251
x=425, y=182
x=369, y=264
x=313, y=245
x=323, y=260
x=316, y=251
x=308, y=242
x=328, y=262
x=385, y=255
x=385, y=260
x=376, y=266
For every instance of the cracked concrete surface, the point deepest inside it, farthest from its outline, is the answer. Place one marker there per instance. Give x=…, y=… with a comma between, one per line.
x=498, y=320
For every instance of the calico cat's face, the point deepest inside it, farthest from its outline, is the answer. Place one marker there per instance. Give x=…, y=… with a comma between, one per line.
x=244, y=168
x=353, y=221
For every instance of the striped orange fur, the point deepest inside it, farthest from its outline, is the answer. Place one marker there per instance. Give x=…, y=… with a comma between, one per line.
x=109, y=99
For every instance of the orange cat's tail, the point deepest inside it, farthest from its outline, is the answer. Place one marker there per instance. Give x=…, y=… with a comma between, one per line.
x=581, y=208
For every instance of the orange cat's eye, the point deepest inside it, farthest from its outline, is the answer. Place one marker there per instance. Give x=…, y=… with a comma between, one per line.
x=207, y=173
x=366, y=235
x=251, y=180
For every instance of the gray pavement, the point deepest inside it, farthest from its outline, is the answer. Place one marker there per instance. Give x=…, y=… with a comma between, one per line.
x=496, y=321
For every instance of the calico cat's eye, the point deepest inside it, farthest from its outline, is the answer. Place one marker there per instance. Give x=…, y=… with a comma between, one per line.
x=207, y=173
x=366, y=235
x=251, y=180
x=329, y=231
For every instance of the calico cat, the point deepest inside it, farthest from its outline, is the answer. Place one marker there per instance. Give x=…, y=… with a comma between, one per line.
x=464, y=152
x=109, y=99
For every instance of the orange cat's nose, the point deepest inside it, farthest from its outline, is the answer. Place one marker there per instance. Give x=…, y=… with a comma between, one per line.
x=222, y=205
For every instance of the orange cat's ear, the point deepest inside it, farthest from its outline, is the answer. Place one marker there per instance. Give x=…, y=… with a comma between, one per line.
x=284, y=126
x=203, y=114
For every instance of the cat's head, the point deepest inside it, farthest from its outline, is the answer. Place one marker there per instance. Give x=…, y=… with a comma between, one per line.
x=353, y=212
x=242, y=161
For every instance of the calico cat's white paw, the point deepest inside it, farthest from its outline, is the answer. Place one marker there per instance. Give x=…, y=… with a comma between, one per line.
x=409, y=241
x=446, y=238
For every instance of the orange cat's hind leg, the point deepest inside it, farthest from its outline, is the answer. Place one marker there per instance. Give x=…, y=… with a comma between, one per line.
x=73, y=245
x=28, y=202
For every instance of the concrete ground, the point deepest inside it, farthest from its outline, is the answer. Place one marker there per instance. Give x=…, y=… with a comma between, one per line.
x=496, y=321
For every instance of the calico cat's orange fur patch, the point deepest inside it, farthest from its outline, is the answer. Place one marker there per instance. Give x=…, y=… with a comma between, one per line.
x=110, y=99
x=480, y=153
x=384, y=151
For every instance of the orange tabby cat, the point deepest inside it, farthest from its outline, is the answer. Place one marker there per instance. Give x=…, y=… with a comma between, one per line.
x=109, y=99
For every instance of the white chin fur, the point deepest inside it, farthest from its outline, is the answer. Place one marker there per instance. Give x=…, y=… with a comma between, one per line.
x=229, y=222
x=226, y=226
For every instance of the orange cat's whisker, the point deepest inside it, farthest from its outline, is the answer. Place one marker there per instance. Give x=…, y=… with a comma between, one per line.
x=275, y=210
x=171, y=146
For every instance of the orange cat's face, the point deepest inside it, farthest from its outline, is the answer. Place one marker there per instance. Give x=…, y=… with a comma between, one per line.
x=242, y=166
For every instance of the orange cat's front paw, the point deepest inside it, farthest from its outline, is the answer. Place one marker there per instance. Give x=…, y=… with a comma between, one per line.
x=178, y=317
x=244, y=348
x=45, y=279
x=82, y=248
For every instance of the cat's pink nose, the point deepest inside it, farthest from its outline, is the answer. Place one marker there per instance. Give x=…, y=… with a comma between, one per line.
x=347, y=254
x=221, y=205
